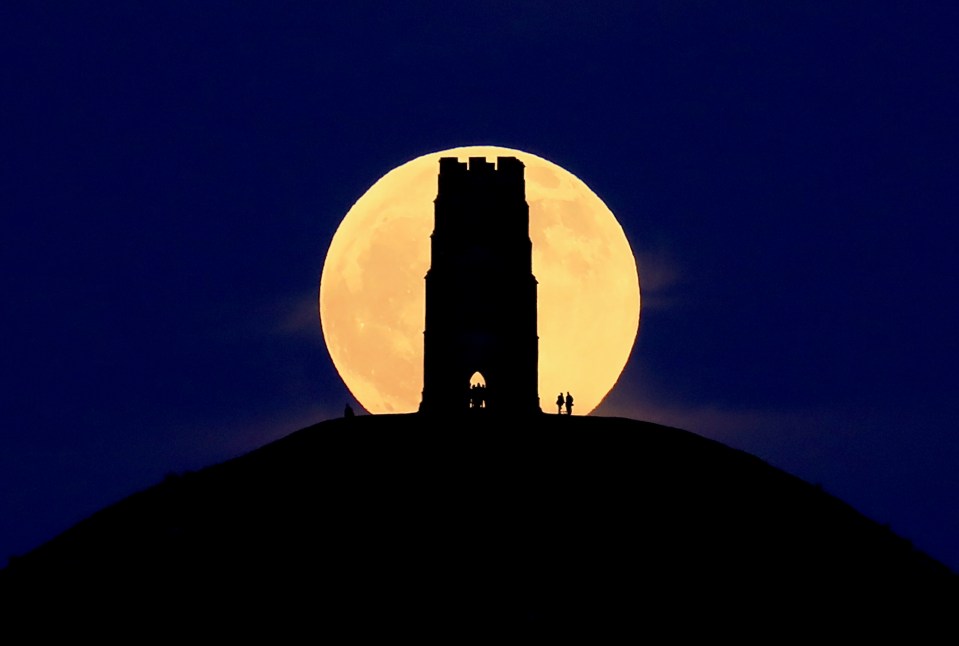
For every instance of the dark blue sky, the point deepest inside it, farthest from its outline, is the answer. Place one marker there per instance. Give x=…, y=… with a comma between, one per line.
x=172, y=173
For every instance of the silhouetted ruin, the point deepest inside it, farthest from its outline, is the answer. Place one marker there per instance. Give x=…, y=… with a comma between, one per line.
x=480, y=291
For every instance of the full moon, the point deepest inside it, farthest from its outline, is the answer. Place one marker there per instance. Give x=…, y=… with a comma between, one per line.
x=372, y=296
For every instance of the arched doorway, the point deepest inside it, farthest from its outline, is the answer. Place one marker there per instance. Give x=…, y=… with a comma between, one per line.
x=478, y=390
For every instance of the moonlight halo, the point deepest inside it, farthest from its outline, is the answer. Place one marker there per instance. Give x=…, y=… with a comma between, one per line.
x=372, y=298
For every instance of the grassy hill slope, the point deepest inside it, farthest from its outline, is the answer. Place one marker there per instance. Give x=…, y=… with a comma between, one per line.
x=399, y=523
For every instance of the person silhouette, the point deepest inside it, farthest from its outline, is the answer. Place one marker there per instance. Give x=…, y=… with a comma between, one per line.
x=569, y=404
x=559, y=404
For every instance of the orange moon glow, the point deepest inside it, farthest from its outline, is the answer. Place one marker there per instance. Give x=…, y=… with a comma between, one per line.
x=372, y=298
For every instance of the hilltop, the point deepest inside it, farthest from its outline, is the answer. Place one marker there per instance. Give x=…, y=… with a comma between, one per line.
x=400, y=522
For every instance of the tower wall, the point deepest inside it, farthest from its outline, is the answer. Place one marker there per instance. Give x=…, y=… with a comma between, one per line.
x=480, y=290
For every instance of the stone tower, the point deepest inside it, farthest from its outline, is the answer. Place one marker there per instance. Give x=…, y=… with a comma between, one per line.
x=480, y=291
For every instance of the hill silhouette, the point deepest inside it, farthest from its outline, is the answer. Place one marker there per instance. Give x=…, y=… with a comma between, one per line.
x=401, y=524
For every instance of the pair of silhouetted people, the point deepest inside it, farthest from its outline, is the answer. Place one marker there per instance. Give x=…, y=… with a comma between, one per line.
x=564, y=401
x=477, y=396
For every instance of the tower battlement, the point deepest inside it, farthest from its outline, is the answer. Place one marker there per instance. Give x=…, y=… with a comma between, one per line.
x=481, y=179
x=479, y=190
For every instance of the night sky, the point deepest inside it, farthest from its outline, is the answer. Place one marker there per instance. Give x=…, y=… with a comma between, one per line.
x=173, y=172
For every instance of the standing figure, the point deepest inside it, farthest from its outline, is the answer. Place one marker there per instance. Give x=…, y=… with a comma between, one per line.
x=559, y=404
x=569, y=404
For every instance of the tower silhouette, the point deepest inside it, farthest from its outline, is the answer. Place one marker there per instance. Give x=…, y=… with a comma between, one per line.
x=480, y=291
